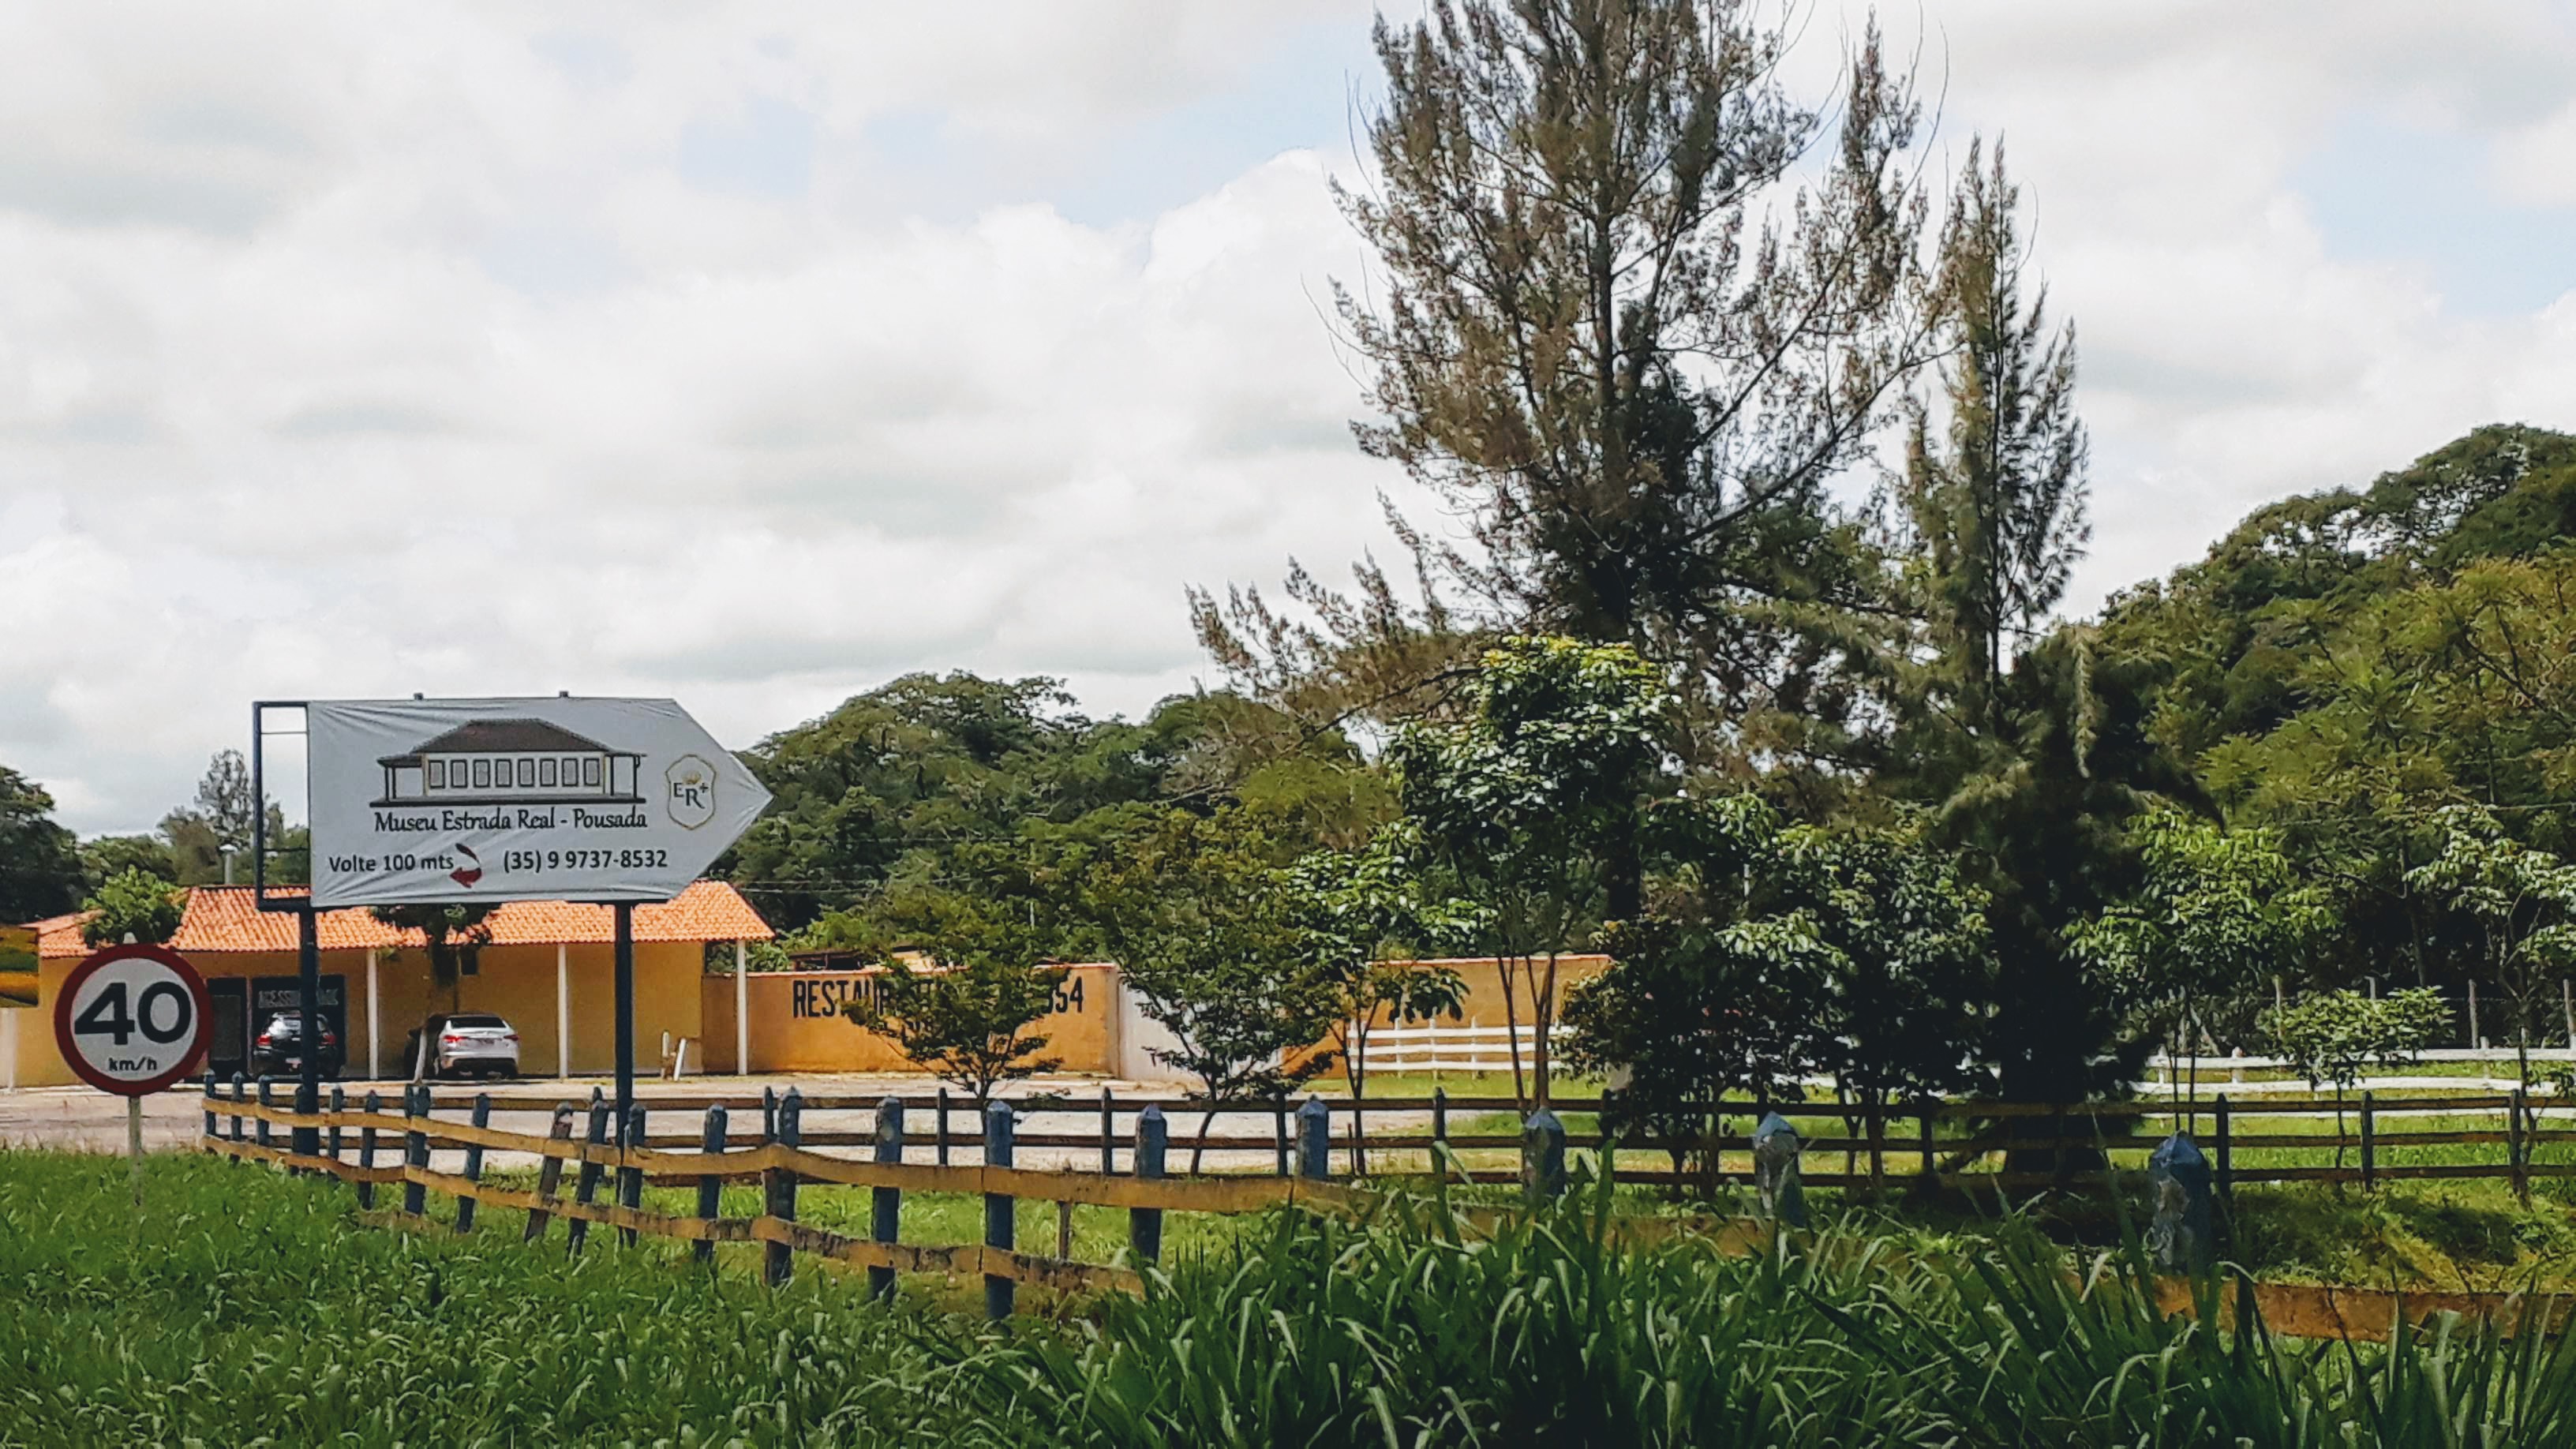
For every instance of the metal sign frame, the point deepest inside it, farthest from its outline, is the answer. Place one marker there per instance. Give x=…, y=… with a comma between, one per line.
x=308, y=1087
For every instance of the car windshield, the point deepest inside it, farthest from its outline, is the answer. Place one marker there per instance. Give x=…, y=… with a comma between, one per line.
x=457, y=1021
x=285, y=1025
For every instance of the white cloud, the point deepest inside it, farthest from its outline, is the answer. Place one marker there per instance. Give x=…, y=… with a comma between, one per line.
x=739, y=353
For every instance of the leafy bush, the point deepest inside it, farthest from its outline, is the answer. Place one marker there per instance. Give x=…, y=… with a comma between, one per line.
x=131, y=902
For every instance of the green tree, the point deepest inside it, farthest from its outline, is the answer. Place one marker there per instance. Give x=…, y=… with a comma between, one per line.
x=1994, y=489
x=1531, y=803
x=2330, y=1037
x=1788, y=949
x=210, y=838
x=108, y=856
x=2217, y=917
x=1906, y=970
x=2523, y=902
x=40, y=868
x=1365, y=913
x=1205, y=925
x=1635, y=307
x=966, y=1022
x=131, y=903
x=898, y=786
x=1690, y=1012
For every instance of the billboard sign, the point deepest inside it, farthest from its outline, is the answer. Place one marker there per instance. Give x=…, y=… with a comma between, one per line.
x=18, y=974
x=478, y=801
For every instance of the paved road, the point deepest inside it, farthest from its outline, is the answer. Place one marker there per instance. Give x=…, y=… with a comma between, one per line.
x=80, y=1119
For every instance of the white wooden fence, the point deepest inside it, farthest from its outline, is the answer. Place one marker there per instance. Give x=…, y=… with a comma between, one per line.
x=1437, y=1049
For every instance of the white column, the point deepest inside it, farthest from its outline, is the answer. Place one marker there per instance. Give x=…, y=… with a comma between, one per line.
x=563, y=1013
x=741, y=1009
x=375, y=1022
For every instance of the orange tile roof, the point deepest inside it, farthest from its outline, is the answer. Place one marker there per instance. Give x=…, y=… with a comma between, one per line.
x=226, y=919
x=60, y=935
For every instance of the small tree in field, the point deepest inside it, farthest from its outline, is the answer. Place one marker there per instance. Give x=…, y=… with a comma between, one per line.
x=1361, y=909
x=1207, y=931
x=2524, y=902
x=968, y=1024
x=1691, y=1012
x=2218, y=913
x=2331, y=1036
x=1529, y=800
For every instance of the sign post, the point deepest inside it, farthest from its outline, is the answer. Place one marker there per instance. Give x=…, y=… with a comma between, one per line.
x=476, y=802
x=132, y=1020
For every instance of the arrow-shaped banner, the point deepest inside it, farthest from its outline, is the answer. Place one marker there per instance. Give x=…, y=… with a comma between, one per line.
x=419, y=801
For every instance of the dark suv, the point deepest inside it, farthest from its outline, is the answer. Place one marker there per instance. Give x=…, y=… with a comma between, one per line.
x=278, y=1050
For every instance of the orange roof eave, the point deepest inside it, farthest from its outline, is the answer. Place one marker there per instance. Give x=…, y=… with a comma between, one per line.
x=222, y=920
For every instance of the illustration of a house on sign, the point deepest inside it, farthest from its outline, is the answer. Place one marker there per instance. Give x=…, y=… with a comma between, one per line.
x=512, y=762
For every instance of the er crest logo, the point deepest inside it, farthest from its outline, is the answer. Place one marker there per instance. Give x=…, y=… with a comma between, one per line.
x=689, y=792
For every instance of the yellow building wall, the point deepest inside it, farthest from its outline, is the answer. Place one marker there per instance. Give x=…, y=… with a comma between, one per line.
x=797, y=1025
x=1483, y=1005
x=28, y=1057
x=516, y=982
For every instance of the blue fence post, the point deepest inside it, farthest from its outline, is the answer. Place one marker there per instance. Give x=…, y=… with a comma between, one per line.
x=1315, y=1140
x=768, y=1115
x=780, y=1188
x=415, y=1150
x=466, y=1204
x=1543, y=1156
x=941, y=1131
x=998, y=1209
x=241, y=1094
x=267, y=1098
x=711, y=1143
x=1776, y=1184
x=331, y=1138
x=1144, y=1224
x=2178, y=1178
x=549, y=1172
x=630, y=1174
x=1279, y=1130
x=585, y=1183
x=212, y=1096
x=375, y=1106
x=885, y=1204
x=1108, y=1135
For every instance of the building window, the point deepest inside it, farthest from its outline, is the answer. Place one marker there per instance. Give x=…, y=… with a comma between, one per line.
x=571, y=771
x=590, y=774
x=438, y=774
x=482, y=774
x=456, y=774
x=546, y=771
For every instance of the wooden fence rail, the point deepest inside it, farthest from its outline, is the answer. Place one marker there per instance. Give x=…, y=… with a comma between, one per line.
x=783, y=1162
x=1875, y=1146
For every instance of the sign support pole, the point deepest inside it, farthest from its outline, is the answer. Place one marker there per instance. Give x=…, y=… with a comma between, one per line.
x=308, y=992
x=134, y=1147
x=625, y=912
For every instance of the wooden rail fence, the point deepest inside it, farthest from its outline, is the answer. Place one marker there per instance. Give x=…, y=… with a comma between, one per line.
x=620, y=1163
x=1955, y=1143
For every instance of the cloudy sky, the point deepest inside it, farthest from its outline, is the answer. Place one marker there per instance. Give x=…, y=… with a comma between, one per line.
x=753, y=354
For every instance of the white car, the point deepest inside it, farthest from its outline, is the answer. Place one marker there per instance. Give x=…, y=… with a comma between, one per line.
x=469, y=1042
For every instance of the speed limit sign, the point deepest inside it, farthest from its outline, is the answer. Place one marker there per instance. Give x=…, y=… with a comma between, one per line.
x=132, y=1019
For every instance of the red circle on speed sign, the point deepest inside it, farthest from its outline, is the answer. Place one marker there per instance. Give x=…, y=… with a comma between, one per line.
x=132, y=1019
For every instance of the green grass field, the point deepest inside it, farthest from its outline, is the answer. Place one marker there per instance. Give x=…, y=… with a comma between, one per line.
x=247, y=1307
